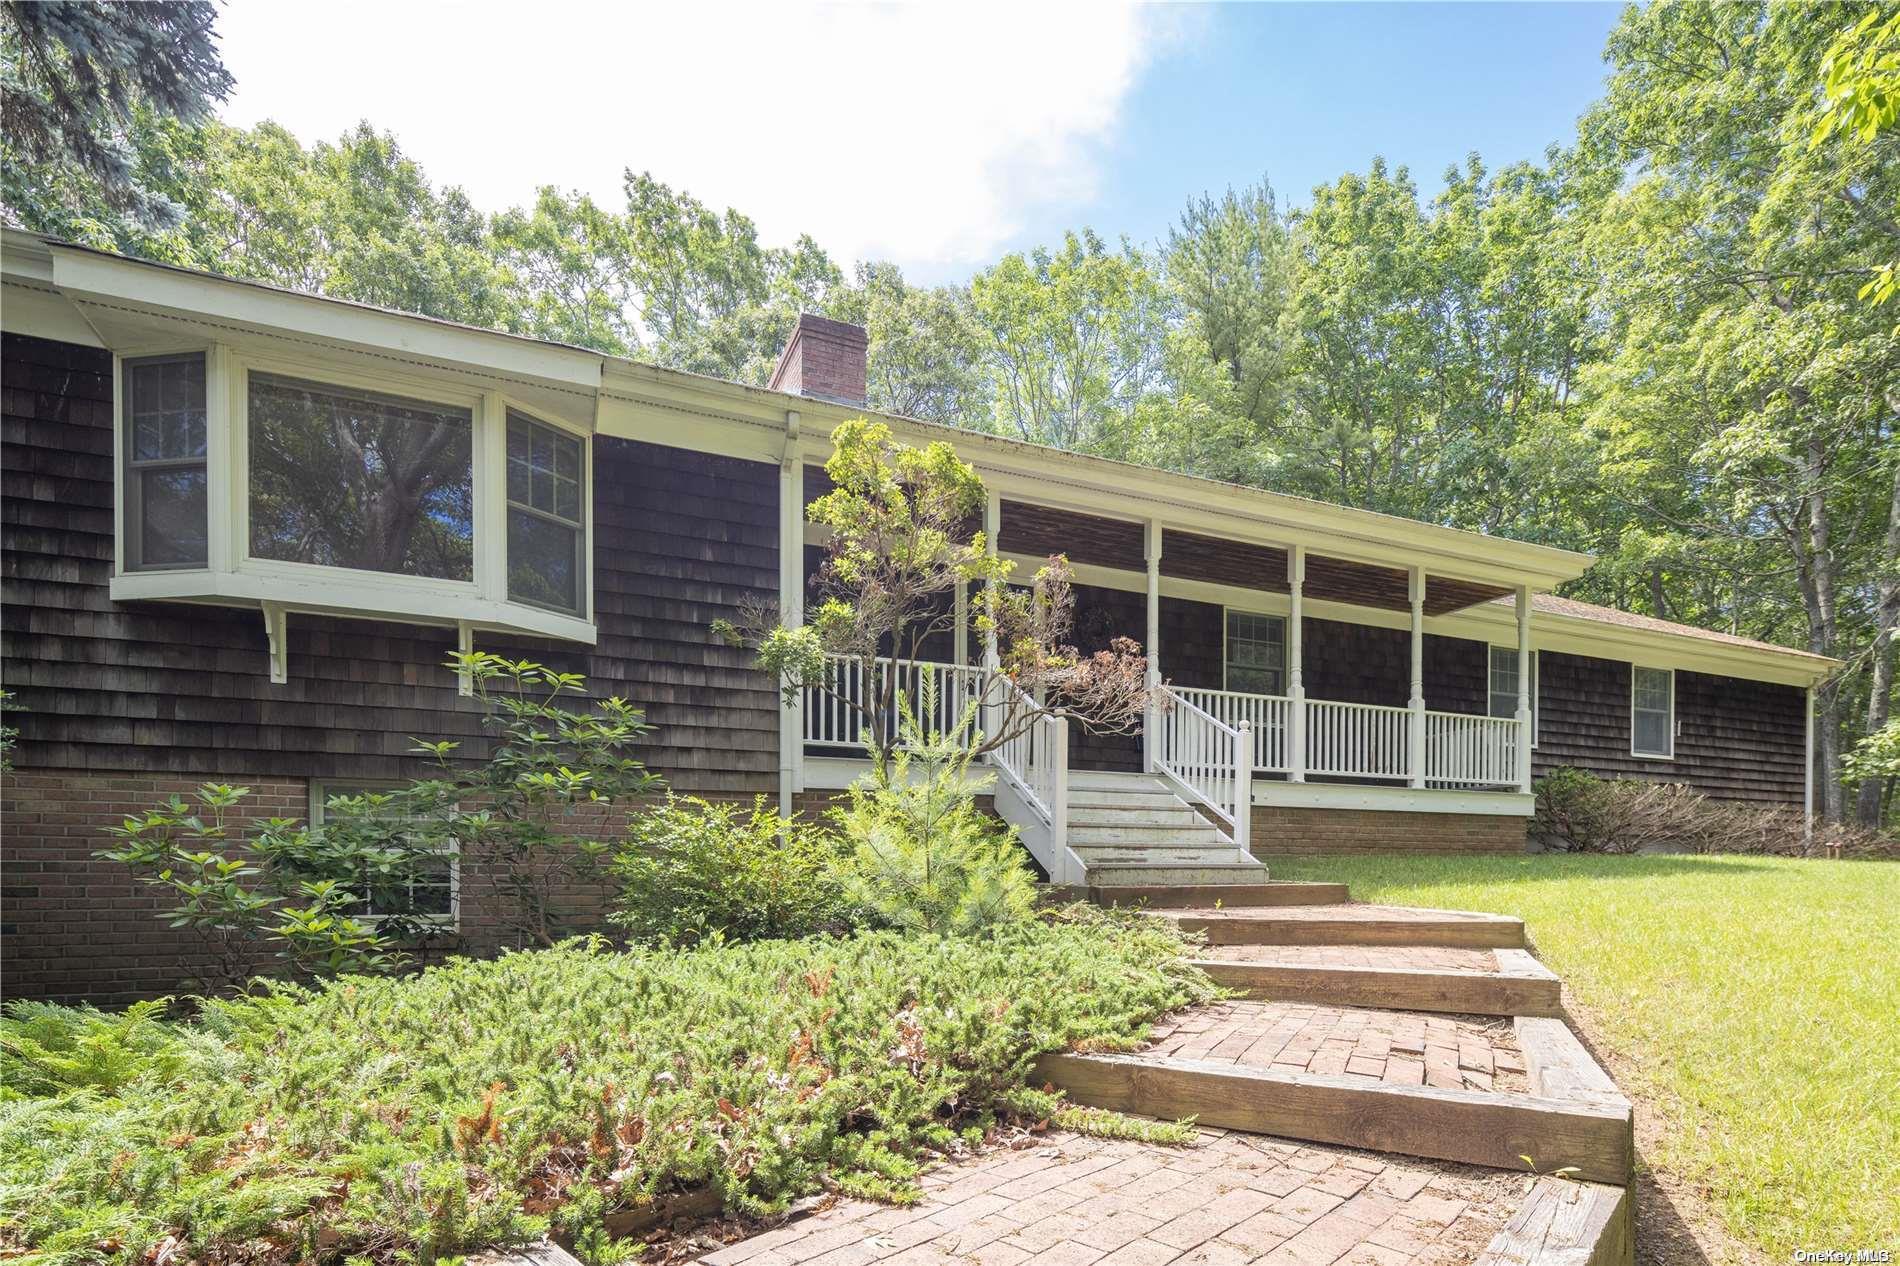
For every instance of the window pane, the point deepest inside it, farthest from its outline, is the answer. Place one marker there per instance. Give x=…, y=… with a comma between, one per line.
x=543, y=562
x=544, y=468
x=172, y=517
x=352, y=479
x=1652, y=689
x=1503, y=702
x=1652, y=733
x=165, y=406
x=1256, y=653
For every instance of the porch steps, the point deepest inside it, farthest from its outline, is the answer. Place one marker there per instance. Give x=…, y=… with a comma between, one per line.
x=1132, y=831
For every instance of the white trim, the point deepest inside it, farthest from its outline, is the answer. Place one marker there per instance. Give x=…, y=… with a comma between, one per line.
x=1328, y=795
x=1671, y=727
x=320, y=793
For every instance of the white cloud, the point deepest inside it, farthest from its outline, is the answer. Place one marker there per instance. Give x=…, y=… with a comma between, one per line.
x=920, y=134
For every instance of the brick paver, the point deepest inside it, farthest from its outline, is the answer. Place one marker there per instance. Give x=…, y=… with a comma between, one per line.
x=1409, y=957
x=1227, y=1200
x=1354, y=912
x=1406, y=1048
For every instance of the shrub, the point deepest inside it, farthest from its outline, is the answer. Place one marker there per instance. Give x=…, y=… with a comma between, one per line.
x=407, y=1118
x=1579, y=812
x=690, y=869
x=48, y=1050
x=923, y=856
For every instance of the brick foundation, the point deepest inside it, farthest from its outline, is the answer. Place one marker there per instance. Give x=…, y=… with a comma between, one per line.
x=1283, y=830
x=75, y=928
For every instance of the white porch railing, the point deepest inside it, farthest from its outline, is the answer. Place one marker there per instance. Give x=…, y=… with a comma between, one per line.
x=832, y=715
x=1269, y=716
x=1210, y=759
x=1367, y=740
x=1470, y=751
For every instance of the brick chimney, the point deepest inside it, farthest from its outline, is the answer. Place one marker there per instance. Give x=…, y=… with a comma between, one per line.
x=824, y=360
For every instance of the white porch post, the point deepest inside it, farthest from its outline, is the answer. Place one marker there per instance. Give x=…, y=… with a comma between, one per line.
x=1524, y=735
x=1151, y=721
x=791, y=605
x=960, y=636
x=1415, y=756
x=1295, y=673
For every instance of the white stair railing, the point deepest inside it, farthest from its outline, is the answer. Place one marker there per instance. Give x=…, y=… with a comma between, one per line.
x=1210, y=760
x=1034, y=765
x=1269, y=716
x=1357, y=739
x=1463, y=750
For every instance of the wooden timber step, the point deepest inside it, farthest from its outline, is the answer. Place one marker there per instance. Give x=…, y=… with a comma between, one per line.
x=1273, y=893
x=1350, y=925
x=1507, y=982
x=1382, y=1080
x=1564, y=1223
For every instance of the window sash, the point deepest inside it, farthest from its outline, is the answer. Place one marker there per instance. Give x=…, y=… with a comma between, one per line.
x=136, y=469
x=1254, y=657
x=1652, y=712
x=1501, y=692
x=524, y=472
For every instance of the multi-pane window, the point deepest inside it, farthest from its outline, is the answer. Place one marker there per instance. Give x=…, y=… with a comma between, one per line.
x=427, y=892
x=355, y=479
x=545, y=527
x=1256, y=653
x=1504, y=685
x=1652, y=712
x=166, y=524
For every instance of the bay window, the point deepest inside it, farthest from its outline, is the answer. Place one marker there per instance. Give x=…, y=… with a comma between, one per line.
x=298, y=487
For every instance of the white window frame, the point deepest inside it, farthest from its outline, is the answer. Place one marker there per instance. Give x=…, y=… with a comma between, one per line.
x=1225, y=662
x=320, y=792
x=1490, y=667
x=1670, y=729
x=232, y=577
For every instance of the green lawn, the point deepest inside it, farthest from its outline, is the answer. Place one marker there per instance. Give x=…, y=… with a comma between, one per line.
x=1756, y=1002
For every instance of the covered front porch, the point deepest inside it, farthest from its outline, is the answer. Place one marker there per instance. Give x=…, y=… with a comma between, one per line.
x=1331, y=659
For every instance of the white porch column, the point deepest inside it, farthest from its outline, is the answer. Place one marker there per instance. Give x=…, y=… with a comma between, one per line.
x=992, y=658
x=1524, y=735
x=960, y=636
x=1151, y=721
x=791, y=605
x=1415, y=756
x=1295, y=672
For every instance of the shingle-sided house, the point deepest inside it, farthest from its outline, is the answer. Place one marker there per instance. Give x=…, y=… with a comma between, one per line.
x=205, y=581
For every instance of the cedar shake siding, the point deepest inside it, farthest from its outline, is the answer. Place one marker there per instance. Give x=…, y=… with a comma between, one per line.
x=1736, y=739
x=680, y=539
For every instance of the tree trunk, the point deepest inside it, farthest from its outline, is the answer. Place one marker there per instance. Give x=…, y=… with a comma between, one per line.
x=1867, y=807
x=1814, y=549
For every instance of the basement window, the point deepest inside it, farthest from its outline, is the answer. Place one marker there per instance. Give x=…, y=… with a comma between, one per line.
x=430, y=896
x=291, y=487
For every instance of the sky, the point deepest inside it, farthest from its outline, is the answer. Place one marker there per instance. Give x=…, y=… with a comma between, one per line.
x=938, y=136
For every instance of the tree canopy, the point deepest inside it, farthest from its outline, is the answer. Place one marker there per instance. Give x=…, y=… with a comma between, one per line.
x=1660, y=342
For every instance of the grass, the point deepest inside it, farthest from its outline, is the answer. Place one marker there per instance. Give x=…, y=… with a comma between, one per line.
x=481, y=1101
x=1756, y=1003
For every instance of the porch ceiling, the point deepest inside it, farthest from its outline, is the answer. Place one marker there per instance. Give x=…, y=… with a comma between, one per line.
x=1117, y=543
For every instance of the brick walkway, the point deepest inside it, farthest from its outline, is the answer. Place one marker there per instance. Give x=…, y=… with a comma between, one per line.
x=1353, y=913
x=1406, y=1048
x=1228, y=1200
x=1413, y=957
